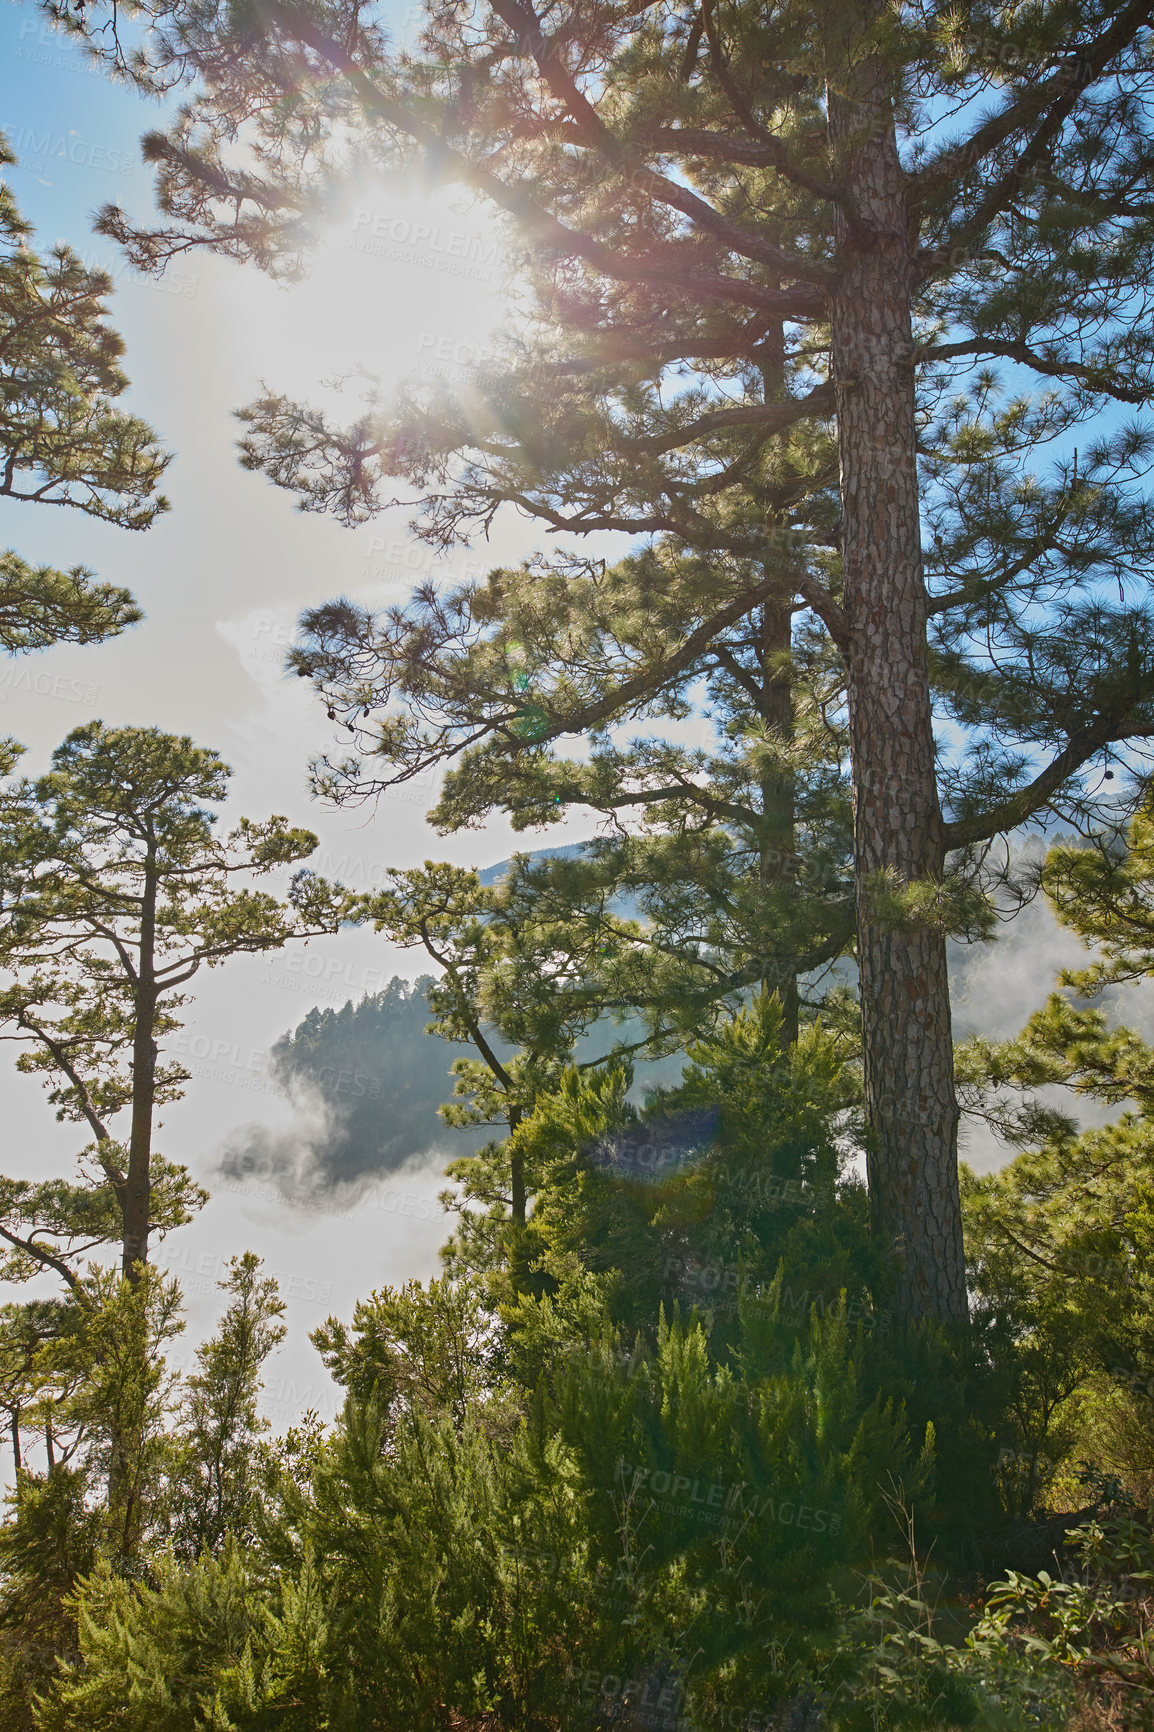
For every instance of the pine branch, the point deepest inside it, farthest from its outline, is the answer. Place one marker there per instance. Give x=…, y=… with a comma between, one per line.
x=526, y=26
x=531, y=216
x=40, y=1254
x=767, y=418
x=1053, y=98
x=763, y=152
x=1093, y=377
x=1008, y=814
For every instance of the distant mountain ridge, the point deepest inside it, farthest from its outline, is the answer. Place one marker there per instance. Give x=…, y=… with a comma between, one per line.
x=366, y=1079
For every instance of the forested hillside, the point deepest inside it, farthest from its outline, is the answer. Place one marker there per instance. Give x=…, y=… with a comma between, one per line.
x=368, y=1079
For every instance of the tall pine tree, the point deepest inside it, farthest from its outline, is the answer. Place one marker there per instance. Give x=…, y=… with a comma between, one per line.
x=943, y=211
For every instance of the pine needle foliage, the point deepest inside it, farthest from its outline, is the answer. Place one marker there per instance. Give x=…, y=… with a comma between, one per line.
x=63, y=440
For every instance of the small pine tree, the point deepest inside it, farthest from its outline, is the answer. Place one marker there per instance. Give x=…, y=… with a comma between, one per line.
x=220, y=1424
x=63, y=441
x=1061, y=1240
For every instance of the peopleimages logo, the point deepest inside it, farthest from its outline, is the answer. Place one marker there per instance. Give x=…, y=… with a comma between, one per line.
x=426, y=244
x=719, y=1501
x=41, y=45
x=40, y=149
x=59, y=686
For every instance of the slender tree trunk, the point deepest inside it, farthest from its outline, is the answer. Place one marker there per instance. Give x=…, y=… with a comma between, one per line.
x=137, y=1204
x=518, y=1200
x=778, y=789
x=908, y=1045
x=778, y=797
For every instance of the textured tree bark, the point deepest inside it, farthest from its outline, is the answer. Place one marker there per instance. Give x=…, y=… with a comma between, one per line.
x=908, y=1045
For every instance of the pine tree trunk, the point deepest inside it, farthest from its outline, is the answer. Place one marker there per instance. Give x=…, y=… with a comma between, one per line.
x=518, y=1201
x=136, y=1207
x=778, y=790
x=908, y=1046
x=778, y=800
